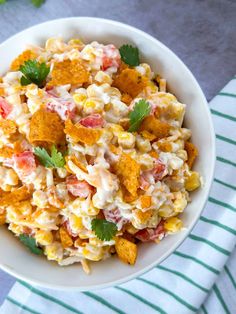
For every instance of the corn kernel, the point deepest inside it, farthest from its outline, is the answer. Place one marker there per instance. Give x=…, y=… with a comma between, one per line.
x=79, y=98
x=17, y=229
x=54, y=251
x=192, y=182
x=173, y=224
x=143, y=217
x=115, y=128
x=126, y=139
x=179, y=203
x=40, y=199
x=92, y=252
x=154, y=154
x=165, y=211
x=76, y=223
x=143, y=144
x=103, y=77
x=93, y=211
x=165, y=146
x=43, y=237
x=92, y=105
x=145, y=161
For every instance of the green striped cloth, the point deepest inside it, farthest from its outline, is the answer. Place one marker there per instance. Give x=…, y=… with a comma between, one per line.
x=199, y=276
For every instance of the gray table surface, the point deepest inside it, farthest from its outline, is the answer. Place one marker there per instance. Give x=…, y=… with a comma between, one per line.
x=201, y=32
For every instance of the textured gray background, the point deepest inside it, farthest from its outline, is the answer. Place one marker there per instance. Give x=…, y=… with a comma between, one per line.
x=201, y=32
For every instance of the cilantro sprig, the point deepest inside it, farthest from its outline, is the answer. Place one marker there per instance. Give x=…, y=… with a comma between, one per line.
x=104, y=230
x=34, y=72
x=31, y=244
x=56, y=160
x=141, y=110
x=130, y=55
x=36, y=3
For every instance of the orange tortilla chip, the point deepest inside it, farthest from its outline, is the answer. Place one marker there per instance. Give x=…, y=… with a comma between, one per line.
x=15, y=196
x=6, y=152
x=69, y=72
x=126, y=250
x=20, y=60
x=46, y=127
x=159, y=128
x=126, y=98
x=66, y=240
x=79, y=133
x=130, y=81
x=7, y=126
x=192, y=152
x=128, y=171
x=146, y=201
x=2, y=218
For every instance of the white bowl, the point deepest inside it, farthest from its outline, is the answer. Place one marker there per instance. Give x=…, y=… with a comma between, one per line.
x=15, y=258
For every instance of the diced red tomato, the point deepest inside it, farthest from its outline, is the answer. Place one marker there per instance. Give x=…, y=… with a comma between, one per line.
x=111, y=57
x=64, y=108
x=5, y=108
x=150, y=234
x=24, y=163
x=93, y=121
x=115, y=217
x=144, y=184
x=159, y=169
x=78, y=188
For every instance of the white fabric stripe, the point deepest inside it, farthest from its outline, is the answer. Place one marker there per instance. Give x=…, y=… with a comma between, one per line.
x=230, y=87
x=225, y=104
x=226, y=150
x=227, y=290
x=108, y=294
x=156, y=296
x=199, y=250
x=191, y=269
x=10, y=308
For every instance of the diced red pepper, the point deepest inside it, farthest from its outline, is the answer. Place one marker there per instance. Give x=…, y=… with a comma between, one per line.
x=158, y=170
x=5, y=108
x=150, y=234
x=78, y=188
x=24, y=163
x=115, y=217
x=93, y=121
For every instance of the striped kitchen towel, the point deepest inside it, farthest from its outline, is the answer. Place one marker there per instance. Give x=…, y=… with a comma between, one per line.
x=198, y=276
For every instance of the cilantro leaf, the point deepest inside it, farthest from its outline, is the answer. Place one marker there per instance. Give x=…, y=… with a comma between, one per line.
x=37, y=3
x=31, y=244
x=141, y=109
x=104, y=230
x=34, y=72
x=130, y=55
x=56, y=160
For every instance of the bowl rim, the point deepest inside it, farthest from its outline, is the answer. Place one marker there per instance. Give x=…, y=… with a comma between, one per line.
x=144, y=270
